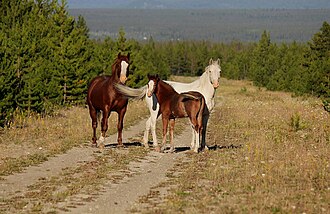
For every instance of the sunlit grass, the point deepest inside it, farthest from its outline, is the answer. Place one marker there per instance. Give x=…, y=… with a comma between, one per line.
x=33, y=137
x=273, y=156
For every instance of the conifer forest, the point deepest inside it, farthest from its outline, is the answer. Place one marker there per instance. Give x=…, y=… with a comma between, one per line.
x=47, y=59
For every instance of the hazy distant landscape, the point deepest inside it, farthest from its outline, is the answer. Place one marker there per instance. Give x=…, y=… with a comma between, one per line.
x=198, y=4
x=219, y=25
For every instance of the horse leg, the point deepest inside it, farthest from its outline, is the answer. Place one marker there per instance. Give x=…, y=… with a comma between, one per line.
x=172, y=123
x=153, y=122
x=197, y=132
x=93, y=115
x=165, y=124
x=193, y=138
x=196, y=128
x=146, y=133
x=104, y=126
x=205, y=121
x=120, y=126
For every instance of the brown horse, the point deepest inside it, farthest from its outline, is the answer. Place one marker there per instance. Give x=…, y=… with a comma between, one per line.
x=102, y=96
x=174, y=105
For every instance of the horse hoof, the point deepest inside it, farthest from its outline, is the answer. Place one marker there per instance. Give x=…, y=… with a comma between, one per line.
x=101, y=146
x=157, y=149
x=121, y=146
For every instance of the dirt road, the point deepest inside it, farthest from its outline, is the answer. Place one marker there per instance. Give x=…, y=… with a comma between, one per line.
x=115, y=197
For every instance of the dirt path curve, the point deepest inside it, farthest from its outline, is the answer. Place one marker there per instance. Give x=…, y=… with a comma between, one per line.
x=20, y=181
x=114, y=198
x=151, y=171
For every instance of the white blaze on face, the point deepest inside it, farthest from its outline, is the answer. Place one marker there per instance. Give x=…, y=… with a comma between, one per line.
x=124, y=66
x=150, y=88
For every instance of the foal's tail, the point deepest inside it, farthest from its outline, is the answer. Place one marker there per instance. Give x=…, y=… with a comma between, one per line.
x=201, y=111
x=134, y=93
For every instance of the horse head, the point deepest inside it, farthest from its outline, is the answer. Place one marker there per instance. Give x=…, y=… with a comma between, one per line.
x=214, y=70
x=152, y=84
x=120, y=67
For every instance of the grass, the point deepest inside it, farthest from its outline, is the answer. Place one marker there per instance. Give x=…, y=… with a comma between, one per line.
x=33, y=139
x=272, y=156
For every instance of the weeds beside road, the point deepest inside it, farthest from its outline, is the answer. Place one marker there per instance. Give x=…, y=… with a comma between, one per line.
x=269, y=154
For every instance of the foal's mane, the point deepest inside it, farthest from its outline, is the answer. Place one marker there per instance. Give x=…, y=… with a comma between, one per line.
x=166, y=87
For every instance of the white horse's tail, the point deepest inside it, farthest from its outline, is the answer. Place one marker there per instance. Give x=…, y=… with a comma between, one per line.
x=134, y=93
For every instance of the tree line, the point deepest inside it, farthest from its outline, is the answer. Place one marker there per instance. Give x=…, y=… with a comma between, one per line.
x=47, y=59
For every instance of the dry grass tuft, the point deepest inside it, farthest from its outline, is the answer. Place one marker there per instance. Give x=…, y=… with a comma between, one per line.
x=33, y=139
x=272, y=156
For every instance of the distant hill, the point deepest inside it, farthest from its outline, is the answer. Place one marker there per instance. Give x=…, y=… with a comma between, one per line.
x=200, y=4
x=220, y=25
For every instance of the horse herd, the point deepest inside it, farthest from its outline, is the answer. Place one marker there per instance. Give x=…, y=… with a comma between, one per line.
x=167, y=98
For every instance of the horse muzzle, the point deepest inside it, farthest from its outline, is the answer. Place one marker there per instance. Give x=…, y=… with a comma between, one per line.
x=149, y=94
x=123, y=79
x=215, y=84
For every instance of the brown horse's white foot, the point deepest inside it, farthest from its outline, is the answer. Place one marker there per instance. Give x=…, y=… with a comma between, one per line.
x=121, y=145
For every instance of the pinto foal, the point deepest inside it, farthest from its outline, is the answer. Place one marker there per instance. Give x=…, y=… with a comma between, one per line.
x=174, y=105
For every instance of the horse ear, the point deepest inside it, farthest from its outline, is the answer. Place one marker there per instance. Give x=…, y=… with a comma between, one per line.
x=211, y=61
x=119, y=54
x=128, y=56
x=218, y=61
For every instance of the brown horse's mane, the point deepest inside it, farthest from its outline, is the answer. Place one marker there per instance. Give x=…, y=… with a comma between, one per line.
x=115, y=67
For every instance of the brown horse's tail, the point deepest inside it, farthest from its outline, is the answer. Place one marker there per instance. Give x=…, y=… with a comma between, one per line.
x=133, y=93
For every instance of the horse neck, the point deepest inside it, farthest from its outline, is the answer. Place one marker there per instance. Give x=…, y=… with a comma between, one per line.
x=205, y=78
x=115, y=71
x=202, y=81
x=164, y=91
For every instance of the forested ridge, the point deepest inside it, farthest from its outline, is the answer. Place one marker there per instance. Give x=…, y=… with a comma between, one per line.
x=47, y=59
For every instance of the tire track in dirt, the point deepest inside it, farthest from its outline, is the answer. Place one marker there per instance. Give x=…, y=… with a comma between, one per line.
x=123, y=196
x=116, y=197
x=18, y=182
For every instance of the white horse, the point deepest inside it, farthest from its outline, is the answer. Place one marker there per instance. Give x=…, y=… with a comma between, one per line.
x=206, y=84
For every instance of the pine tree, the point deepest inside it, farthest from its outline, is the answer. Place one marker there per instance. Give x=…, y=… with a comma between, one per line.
x=317, y=62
